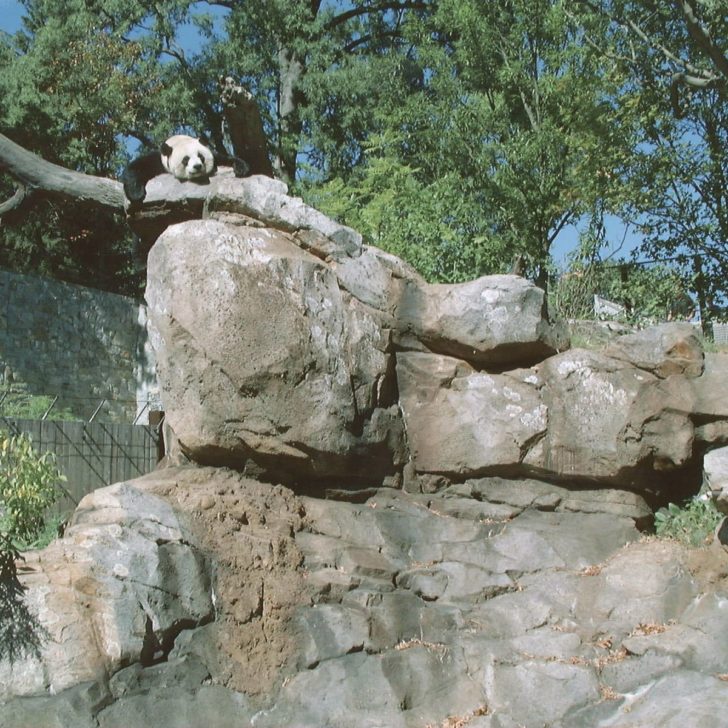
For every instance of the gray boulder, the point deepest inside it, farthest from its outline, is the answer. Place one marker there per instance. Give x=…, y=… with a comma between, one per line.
x=611, y=421
x=492, y=321
x=266, y=201
x=677, y=699
x=715, y=477
x=258, y=201
x=522, y=493
x=710, y=410
x=579, y=416
x=75, y=707
x=118, y=588
x=404, y=611
x=377, y=279
x=176, y=707
x=664, y=350
x=262, y=358
x=464, y=422
x=307, y=390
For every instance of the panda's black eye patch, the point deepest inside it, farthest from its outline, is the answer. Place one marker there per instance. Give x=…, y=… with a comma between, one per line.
x=199, y=154
x=185, y=160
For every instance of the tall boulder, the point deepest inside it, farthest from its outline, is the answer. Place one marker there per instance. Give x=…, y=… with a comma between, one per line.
x=715, y=477
x=262, y=359
x=710, y=413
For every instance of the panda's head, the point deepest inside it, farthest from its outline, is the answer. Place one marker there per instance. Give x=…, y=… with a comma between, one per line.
x=187, y=158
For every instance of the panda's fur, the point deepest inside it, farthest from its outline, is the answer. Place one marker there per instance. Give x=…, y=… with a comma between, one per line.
x=185, y=157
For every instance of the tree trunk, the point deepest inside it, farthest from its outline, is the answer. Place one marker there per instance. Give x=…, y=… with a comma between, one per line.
x=290, y=98
x=37, y=174
x=245, y=126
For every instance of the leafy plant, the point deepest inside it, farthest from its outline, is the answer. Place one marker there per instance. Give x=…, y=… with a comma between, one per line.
x=28, y=487
x=690, y=523
x=53, y=527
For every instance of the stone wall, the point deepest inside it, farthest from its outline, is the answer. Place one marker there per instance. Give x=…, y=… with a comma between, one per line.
x=80, y=344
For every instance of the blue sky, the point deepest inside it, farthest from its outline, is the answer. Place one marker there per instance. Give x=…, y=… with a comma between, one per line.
x=11, y=13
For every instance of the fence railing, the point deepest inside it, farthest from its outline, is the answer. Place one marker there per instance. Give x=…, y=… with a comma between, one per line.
x=720, y=333
x=91, y=454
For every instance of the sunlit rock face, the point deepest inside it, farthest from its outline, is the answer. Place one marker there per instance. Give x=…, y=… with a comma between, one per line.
x=402, y=504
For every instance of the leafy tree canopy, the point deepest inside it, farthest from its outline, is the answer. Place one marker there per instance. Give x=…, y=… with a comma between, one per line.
x=462, y=135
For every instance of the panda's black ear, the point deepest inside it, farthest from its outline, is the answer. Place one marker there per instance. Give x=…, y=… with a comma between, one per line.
x=166, y=150
x=204, y=140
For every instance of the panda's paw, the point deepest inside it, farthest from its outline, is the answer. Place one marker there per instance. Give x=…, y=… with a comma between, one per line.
x=241, y=168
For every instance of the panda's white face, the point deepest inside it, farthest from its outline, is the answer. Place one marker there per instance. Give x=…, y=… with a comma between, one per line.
x=187, y=158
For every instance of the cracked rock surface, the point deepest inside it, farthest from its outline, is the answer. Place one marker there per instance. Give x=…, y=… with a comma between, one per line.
x=492, y=603
x=381, y=556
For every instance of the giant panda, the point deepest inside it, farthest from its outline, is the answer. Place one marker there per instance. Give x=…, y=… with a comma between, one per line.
x=186, y=157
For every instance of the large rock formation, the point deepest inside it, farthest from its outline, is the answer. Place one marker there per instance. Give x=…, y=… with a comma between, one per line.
x=287, y=347
x=578, y=416
x=118, y=589
x=262, y=357
x=492, y=603
x=432, y=518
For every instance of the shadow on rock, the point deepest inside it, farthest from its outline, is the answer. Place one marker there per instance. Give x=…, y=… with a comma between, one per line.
x=21, y=633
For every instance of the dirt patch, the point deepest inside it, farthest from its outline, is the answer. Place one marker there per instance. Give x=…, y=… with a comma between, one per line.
x=248, y=529
x=709, y=566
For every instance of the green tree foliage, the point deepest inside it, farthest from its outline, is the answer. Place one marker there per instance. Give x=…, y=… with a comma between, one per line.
x=509, y=137
x=84, y=78
x=129, y=64
x=649, y=293
x=437, y=224
x=63, y=84
x=28, y=487
x=673, y=57
x=460, y=134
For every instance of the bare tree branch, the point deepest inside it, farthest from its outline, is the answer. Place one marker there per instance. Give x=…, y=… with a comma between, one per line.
x=37, y=174
x=15, y=201
x=700, y=34
x=630, y=25
x=364, y=39
x=342, y=18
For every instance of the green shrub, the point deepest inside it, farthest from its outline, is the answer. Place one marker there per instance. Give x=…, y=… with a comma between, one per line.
x=690, y=523
x=28, y=487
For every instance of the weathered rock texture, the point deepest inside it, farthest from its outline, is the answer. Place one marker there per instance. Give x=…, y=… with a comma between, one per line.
x=261, y=356
x=715, y=472
x=495, y=603
x=116, y=590
x=286, y=347
x=478, y=558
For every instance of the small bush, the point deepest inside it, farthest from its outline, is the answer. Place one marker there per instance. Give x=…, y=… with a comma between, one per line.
x=28, y=487
x=691, y=523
